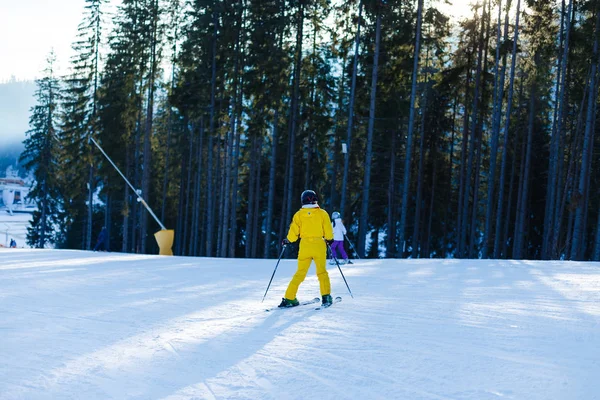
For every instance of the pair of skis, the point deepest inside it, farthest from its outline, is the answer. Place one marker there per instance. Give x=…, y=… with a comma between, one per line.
x=308, y=302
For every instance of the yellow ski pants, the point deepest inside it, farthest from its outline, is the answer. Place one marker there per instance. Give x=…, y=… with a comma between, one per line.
x=310, y=249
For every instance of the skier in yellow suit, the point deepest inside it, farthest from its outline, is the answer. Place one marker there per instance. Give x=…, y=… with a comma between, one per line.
x=313, y=226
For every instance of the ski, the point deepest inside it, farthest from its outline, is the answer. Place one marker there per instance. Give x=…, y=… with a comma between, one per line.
x=336, y=300
x=302, y=303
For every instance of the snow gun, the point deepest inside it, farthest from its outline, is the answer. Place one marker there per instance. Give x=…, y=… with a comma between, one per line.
x=165, y=236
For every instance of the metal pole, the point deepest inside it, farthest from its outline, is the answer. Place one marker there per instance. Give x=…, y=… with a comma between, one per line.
x=340, y=268
x=140, y=199
x=280, y=255
x=352, y=246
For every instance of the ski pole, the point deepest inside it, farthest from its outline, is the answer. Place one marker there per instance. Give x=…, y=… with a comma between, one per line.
x=281, y=255
x=340, y=268
x=352, y=246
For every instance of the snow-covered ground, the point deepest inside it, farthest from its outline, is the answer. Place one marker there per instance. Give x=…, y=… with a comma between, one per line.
x=81, y=325
x=13, y=226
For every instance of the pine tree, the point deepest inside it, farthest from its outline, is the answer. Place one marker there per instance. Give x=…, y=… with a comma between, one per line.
x=42, y=156
x=79, y=124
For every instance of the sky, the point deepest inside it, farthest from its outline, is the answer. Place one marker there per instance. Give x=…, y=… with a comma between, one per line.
x=30, y=29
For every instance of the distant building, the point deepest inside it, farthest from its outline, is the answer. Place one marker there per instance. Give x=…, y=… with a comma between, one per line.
x=13, y=194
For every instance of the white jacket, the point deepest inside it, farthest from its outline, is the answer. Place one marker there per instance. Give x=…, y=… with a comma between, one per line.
x=339, y=230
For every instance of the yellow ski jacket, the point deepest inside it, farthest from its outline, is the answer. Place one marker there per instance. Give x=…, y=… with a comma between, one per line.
x=310, y=223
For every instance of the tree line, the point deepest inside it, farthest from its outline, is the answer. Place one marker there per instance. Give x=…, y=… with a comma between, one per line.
x=432, y=137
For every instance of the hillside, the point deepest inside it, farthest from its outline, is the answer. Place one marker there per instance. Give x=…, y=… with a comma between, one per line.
x=115, y=326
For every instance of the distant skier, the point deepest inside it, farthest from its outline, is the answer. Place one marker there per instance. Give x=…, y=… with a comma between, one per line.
x=102, y=240
x=313, y=226
x=339, y=230
x=13, y=243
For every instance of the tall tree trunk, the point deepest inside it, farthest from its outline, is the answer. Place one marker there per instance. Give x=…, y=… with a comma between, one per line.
x=391, y=220
x=511, y=191
x=416, y=243
x=126, y=202
x=463, y=164
x=90, y=208
x=411, y=124
x=473, y=142
x=271, y=199
x=578, y=243
x=236, y=164
x=569, y=184
x=257, y=199
x=230, y=145
x=448, y=210
x=107, y=218
x=181, y=207
x=427, y=242
x=210, y=207
x=166, y=171
x=309, y=135
x=188, y=201
x=500, y=75
x=195, y=170
x=173, y=41
x=362, y=226
x=198, y=192
x=499, y=211
x=351, y=112
x=333, y=195
x=220, y=178
x=92, y=122
x=479, y=138
x=135, y=205
x=596, y=252
x=294, y=112
x=523, y=209
x=520, y=138
x=550, y=217
x=251, y=200
x=498, y=96
x=148, y=126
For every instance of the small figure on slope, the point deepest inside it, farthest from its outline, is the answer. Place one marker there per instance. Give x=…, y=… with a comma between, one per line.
x=339, y=230
x=312, y=225
x=102, y=240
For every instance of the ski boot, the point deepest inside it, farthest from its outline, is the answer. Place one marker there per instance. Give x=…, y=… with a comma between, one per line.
x=327, y=300
x=285, y=303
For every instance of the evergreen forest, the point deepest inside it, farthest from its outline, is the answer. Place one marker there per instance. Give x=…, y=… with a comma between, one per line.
x=432, y=137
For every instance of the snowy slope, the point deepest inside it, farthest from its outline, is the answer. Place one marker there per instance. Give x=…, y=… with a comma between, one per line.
x=81, y=325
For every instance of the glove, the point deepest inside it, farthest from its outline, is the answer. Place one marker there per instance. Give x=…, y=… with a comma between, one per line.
x=329, y=242
x=285, y=242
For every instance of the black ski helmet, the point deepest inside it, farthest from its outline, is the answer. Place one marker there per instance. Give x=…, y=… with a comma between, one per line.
x=309, y=197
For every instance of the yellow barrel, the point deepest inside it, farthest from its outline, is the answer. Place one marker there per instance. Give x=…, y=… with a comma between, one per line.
x=165, y=238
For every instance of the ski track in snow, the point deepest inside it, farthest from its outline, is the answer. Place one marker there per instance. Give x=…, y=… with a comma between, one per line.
x=83, y=325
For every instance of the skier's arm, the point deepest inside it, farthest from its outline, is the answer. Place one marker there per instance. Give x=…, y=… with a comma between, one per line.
x=294, y=232
x=343, y=228
x=327, y=227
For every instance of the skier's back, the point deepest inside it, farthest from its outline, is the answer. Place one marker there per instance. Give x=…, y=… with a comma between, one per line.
x=339, y=231
x=313, y=226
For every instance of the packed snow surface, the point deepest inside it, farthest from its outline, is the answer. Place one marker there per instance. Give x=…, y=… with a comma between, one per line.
x=82, y=325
